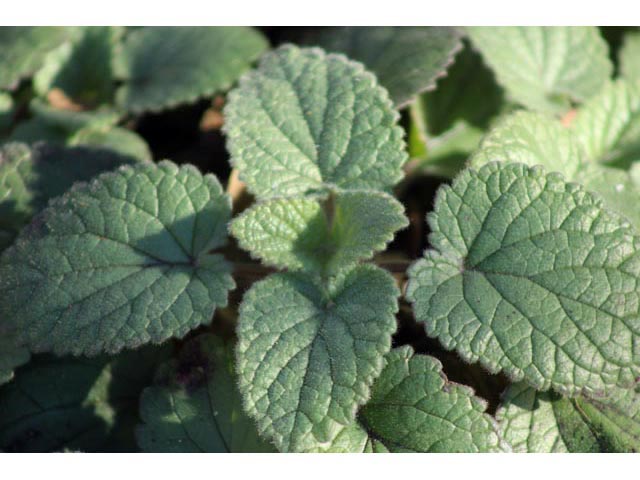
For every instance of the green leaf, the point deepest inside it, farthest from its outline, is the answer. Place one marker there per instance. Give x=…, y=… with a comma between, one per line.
x=467, y=94
x=84, y=404
x=448, y=124
x=629, y=57
x=305, y=120
x=308, y=353
x=31, y=176
x=12, y=356
x=415, y=408
x=406, y=60
x=6, y=111
x=545, y=68
x=529, y=420
x=323, y=234
x=537, y=139
x=23, y=50
x=120, y=140
x=608, y=126
x=195, y=406
x=616, y=187
x=532, y=276
x=95, y=128
x=163, y=67
x=541, y=422
x=533, y=139
x=119, y=262
x=82, y=69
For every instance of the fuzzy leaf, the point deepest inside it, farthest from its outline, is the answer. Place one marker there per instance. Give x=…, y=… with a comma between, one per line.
x=537, y=139
x=629, y=57
x=11, y=356
x=608, y=126
x=119, y=262
x=532, y=276
x=31, y=176
x=76, y=403
x=540, y=422
x=545, y=68
x=415, y=408
x=533, y=139
x=308, y=354
x=82, y=69
x=23, y=50
x=320, y=234
x=305, y=120
x=163, y=67
x=196, y=406
x=406, y=60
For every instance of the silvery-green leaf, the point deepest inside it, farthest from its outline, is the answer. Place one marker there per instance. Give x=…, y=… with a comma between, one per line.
x=308, y=352
x=322, y=234
x=532, y=276
x=119, y=262
x=545, y=68
x=306, y=119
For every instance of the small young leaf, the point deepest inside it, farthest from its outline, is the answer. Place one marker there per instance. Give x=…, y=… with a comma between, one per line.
x=534, y=277
x=414, y=408
x=545, y=68
x=304, y=120
x=608, y=126
x=84, y=404
x=119, y=262
x=82, y=69
x=307, y=353
x=11, y=356
x=23, y=50
x=629, y=57
x=196, y=407
x=406, y=60
x=30, y=176
x=323, y=234
x=163, y=67
x=540, y=422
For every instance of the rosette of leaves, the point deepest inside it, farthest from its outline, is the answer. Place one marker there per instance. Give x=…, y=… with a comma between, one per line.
x=316, y=140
